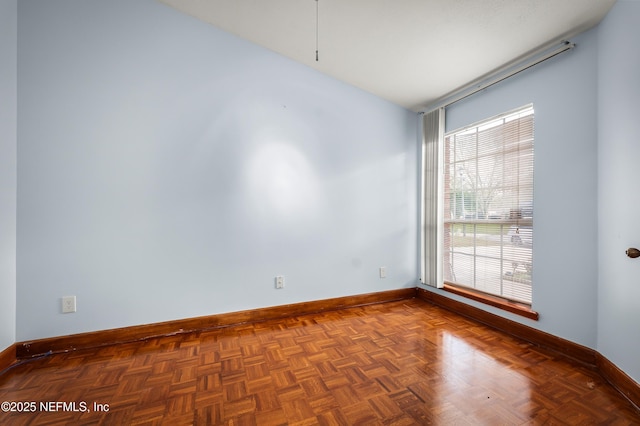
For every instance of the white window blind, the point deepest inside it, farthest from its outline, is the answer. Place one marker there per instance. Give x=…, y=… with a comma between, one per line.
x=488, y=203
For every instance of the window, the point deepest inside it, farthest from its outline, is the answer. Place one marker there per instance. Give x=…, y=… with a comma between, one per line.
x=488, y=206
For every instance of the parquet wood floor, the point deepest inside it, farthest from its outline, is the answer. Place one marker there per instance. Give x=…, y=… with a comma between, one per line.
x=399, y=363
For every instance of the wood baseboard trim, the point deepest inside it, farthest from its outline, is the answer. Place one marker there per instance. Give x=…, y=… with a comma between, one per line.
x=566, y=348
x=29, y=349
x=624, y=384
x=8, y=357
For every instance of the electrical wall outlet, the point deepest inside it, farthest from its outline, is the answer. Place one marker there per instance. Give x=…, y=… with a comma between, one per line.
x=383, y=272
x=280, y=281
x=68, y=304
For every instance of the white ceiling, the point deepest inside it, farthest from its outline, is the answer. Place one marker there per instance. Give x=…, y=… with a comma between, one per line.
x=410, y=52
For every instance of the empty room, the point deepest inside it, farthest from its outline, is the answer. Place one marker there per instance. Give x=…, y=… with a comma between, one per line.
x=333, y=212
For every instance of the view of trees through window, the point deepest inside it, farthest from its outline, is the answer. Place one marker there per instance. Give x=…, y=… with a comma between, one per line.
x=488, y=238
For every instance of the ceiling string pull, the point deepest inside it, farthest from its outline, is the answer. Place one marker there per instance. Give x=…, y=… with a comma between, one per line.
x=317, y=30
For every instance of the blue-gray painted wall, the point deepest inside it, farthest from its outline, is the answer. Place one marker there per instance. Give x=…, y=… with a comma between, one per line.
x=563, y=91
x=619, y=195
x=167, y=169
x=586, y=198
x=8, y=140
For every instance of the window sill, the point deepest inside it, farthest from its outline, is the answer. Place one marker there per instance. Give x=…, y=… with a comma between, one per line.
x=513, y=307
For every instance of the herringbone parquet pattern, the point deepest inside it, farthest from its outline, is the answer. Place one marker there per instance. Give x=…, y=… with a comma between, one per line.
x=400, y=363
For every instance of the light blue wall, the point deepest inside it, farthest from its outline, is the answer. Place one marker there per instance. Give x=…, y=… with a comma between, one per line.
x=619, y=193
x=8, y=123
x=586, y=197
x=167, y=169
x=564, y=95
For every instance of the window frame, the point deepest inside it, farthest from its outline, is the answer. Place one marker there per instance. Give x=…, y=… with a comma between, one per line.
x=521, y=307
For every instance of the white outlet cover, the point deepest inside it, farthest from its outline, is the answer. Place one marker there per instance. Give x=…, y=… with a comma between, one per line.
x=68, y=304
x=383, y=272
